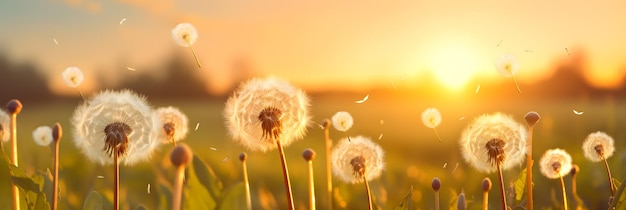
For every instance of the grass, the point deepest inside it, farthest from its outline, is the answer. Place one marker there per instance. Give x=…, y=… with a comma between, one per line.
x=413, y=155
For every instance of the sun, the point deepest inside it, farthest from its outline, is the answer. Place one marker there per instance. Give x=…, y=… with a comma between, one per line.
x=453, y=66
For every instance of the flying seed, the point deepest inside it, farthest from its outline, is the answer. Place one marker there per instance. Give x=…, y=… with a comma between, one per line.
x=225, y=159
x=100, y=177
x=122, y=21
x=55, y=41
x=455, y=167
x=213, y=148
x=148, y=188
x=461, y=118
x=498, y=45
x=445, y=164
x=477, y=89
x=577, y=112
x=197, y=125
x=130, y=68
x=567, y=50
x=363, y=100
x=380, y=136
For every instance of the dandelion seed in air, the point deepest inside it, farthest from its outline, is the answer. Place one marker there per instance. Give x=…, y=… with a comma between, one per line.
x=185, y=35
x=197, y=126
x=578, y=112
x=507, y=65
x=213, y=148
x=122, y=21
x=131, y=68
x=363, y=100
x=477, y=89
x=73, y=77
x=567, y=51
x=100, y=177
x=55, y=41
x=380, y=136
x=431, y=118
x=148, y=188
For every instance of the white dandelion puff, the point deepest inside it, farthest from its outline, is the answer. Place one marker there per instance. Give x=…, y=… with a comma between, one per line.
x=431, y=117
x=185, y=35
x=598, y=146
x=42, y=135
x=555, y=163
x=357, y=160
x=73, y=76
x=507, y=65
x=342, y=121
x=171, y=124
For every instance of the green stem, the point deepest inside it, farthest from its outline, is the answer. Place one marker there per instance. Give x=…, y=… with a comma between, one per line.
x=529, y=170
x=285, y=174
x=369, y=194
x=564, y=193
x=246, y=184
x=329, y=177
x=608, y=172
x=55, y=179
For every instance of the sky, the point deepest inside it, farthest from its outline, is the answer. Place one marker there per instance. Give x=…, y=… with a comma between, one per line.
x=317, y=44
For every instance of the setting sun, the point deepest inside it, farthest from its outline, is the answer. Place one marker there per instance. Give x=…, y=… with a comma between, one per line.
x=453, y=66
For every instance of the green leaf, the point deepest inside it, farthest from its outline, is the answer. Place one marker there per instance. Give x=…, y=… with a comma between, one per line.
x=407, y=201
x=93, y=201
x=196, y=194
x=207, y=177
x=234, y=197
x=520, y=185
x=619, y=202
x=616, y=184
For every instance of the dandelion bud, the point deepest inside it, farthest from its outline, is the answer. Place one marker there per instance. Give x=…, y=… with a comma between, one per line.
x=181, y=155
x=532, y=118
x=436, y=184
x=57, y=132
x=461, y=203
x=326, y=123
x=243, y=156
x=486, y=184
x=575, y=170
x=14, y=106
x=308, y=154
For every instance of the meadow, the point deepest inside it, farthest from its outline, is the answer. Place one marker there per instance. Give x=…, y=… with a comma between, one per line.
x=413, y=156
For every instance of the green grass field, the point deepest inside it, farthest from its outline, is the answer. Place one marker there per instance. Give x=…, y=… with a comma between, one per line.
x=413, y=155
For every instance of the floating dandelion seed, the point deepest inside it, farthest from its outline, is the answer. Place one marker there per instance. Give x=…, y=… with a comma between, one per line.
x=577, y=112
x=507, y=65
x=431, y=117
x=567, y=51
x=55, y=41
x=380, y=136
x=73, y=77
x=171, y=124
x=42, y=135
x=477, y=89
x=213, y=148
x=122, y=21
x=363, y=100
x=185, y=35
x=500, y=42
x=345, y=154
x=130, y=68
x=148, y=188
x=5, y=121
x=110, y=117
x=197, y=126
x=100, y=177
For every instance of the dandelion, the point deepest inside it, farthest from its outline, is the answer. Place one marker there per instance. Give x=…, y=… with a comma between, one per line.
x=73, y=77
x=180, y=157
x=598, y=147
x=56, y=133
x=14, y=107
x=436, y=185
x=42, y=135
x=243, y=157
x=358, y=161
x=531, y=119
x=263, y=114
x=185, y=35
x=114, y=127
x=5, y=121
x=494, y=142
x=171, y=123
x=554, y=164
x=309, y=156
x=486, y=185
x=507, y=65
x=431, y=118
x=342, y=121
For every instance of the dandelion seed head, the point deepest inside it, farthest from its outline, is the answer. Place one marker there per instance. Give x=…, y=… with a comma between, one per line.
x=342, y=121
x=491, y=140
x=598, y=146
x=507, y=65
x=555, y=163
x=170, y=124
x=73, y=76
x=42, y=135
x=357, y=159
x=263, y=110
x=184, y=34
x=5, y=121
x=431, y=117
x=114, y=122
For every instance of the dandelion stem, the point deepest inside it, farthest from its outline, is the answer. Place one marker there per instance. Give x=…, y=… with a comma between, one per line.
x=246, y=183
x=564, y=193
x=608, y=172
x=195, y=57
x=329, y=178
x=13, y=127
x=529, y=170
x=80, y=93
x=116, y=196
x=437, y=133
x=285, y=174
x=485, y=200
x=579, y=201
x=504, y=206
x=311, y=186
x=369, y=194
x=516, y=85
x=437, y=200
x=55, y=179
x=178, y=187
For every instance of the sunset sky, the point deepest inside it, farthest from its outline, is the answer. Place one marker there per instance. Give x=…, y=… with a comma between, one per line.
x=318, y=44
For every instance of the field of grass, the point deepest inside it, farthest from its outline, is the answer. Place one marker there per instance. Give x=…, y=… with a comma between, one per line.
x=413, y=155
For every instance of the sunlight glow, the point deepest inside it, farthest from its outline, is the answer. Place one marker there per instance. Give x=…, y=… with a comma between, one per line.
x=453, y=66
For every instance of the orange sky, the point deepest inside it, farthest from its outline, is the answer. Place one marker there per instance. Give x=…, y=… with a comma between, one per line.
x=319, y=44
